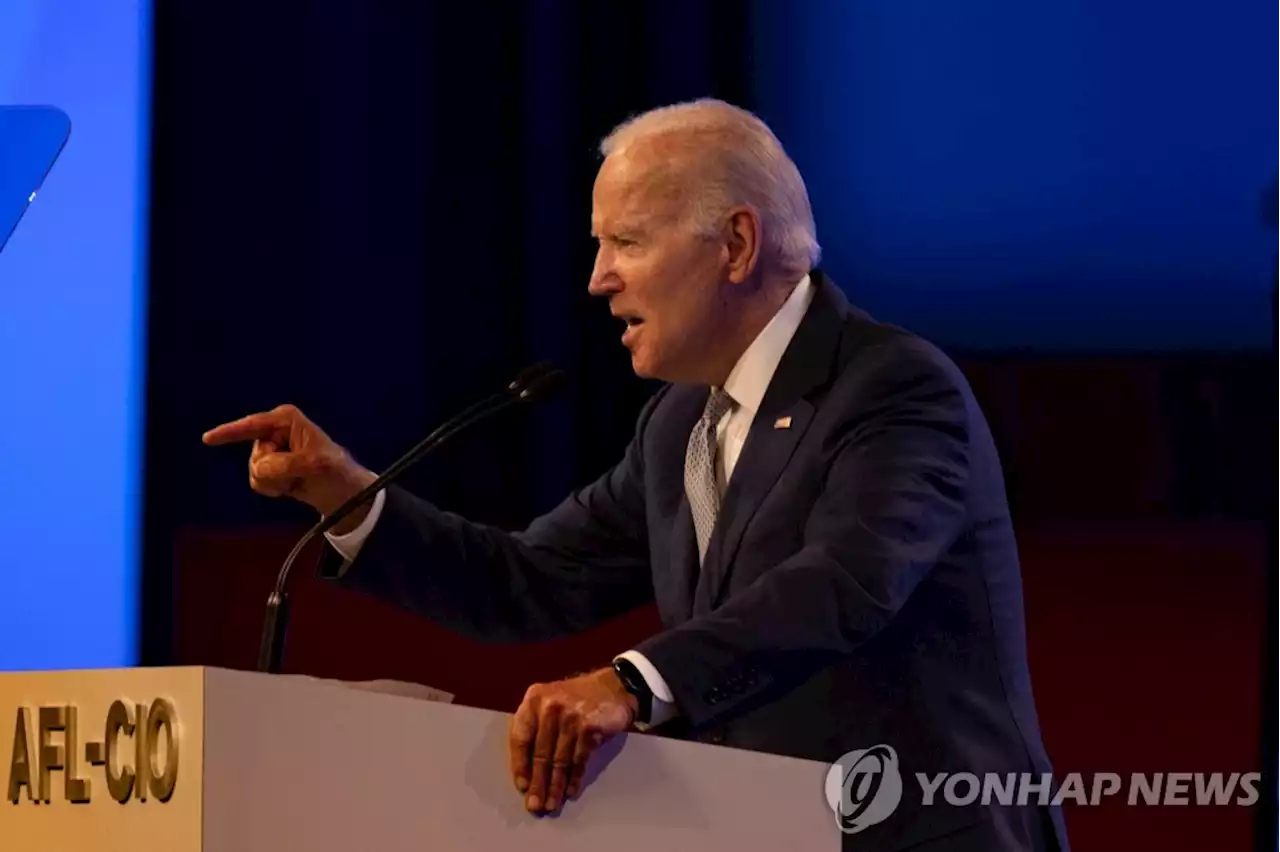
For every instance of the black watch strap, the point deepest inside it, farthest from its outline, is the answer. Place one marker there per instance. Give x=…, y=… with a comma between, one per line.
x=635, y=683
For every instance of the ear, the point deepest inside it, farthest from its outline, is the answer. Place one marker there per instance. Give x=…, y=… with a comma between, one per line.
x=743, y=243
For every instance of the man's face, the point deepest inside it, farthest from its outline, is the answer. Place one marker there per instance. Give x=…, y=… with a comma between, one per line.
x=662, y=280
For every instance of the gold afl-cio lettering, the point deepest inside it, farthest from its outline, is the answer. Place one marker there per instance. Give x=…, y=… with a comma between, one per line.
x=162, y=718
x=139, y=753
x=119, y=720
x=148, y=777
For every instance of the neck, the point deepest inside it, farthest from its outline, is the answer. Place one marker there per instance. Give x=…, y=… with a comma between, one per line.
x=754, y=311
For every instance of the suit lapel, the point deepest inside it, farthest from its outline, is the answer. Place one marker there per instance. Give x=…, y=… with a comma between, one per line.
x=779, y=425
x=764, y=456
x=683, y=559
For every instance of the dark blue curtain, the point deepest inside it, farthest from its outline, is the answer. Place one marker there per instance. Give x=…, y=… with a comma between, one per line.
x=379, y=212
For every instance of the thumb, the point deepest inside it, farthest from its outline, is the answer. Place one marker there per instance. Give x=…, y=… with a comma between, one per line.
x=263, y=447
x=275, y=474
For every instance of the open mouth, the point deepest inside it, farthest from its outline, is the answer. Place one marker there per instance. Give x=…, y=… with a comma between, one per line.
x=633, y=324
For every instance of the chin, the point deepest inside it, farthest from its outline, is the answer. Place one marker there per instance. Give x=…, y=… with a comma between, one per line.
x=659, y=364
x=657, y=372
x=641, y=367
x=644, y=365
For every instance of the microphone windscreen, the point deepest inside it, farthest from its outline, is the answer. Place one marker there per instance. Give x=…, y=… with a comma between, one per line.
x=543, y=385
x=529, y=375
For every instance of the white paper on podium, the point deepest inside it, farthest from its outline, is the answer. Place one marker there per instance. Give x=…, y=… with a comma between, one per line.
x=403, y=689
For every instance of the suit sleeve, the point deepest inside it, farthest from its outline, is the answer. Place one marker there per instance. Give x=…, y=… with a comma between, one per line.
x=580, y=564
x=892, y=503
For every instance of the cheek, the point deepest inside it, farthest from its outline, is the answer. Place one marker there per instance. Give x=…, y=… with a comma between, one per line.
x=665, y=287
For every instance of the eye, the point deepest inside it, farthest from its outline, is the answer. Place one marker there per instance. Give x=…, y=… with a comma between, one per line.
x=621, y=242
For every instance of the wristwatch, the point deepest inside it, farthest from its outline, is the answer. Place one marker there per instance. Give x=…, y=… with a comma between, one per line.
x=635, y=684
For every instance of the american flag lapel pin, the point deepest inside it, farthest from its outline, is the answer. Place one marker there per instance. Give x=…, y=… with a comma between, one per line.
x=782, y=422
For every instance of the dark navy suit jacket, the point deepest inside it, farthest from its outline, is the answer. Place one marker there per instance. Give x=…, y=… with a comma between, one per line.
x=861, y=587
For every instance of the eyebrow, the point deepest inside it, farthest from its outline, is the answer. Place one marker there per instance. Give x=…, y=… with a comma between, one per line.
x=624, y=229
x=632, y=224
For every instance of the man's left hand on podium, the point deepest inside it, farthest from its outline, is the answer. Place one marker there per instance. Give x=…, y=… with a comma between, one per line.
x=558, y=727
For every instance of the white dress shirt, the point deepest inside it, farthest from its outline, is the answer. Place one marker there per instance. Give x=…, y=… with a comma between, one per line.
x=746, y=385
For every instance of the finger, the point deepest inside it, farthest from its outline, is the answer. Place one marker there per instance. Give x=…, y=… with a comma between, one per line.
x=262, y=447
x=544, y=746
x=268, y=489
x=276, y=467
x=275, y=474
x=562, y=760
x=250, y=428
x=520, y=741
x=587, y=743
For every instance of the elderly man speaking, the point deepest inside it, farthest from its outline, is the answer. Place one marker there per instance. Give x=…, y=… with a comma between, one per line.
x=813, y=499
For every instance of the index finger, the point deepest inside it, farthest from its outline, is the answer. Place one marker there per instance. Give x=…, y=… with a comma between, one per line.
x=250, y=428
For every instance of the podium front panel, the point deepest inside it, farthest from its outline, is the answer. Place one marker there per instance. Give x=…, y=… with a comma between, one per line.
x=294, y=765
x=106, y=759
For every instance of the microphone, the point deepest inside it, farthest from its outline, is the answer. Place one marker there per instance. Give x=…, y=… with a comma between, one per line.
x=531, y=384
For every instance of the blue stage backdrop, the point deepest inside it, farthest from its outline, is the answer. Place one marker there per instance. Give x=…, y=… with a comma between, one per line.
x=72, y=288
x=997, y=173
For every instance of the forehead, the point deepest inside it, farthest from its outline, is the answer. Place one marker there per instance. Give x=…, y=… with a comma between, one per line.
x=634, y=184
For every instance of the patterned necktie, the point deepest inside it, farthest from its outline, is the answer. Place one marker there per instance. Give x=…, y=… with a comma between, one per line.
x=700, y=468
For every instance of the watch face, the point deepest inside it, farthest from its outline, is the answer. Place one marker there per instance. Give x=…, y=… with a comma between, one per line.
x=635, y=684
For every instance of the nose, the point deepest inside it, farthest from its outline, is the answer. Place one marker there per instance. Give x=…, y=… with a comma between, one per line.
x=604, y=281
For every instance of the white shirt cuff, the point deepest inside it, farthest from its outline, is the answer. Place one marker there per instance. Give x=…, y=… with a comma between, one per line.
x=349, y=544
x=664, y=703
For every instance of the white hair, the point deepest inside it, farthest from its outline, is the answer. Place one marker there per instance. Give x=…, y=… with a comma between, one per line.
x=737, y=160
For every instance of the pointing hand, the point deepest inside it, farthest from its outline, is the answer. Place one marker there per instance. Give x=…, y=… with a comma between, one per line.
x=292, y=456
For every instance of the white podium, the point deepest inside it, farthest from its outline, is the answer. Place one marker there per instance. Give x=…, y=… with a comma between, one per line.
x=211, y=760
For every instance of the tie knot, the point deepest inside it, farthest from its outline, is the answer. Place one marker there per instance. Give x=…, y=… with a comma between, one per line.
x=718, y=404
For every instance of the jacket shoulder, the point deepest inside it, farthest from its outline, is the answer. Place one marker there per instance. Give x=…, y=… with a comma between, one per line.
x=869, y=346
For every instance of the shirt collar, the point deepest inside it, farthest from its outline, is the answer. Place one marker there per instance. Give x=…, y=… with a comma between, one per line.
x=750, y=377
